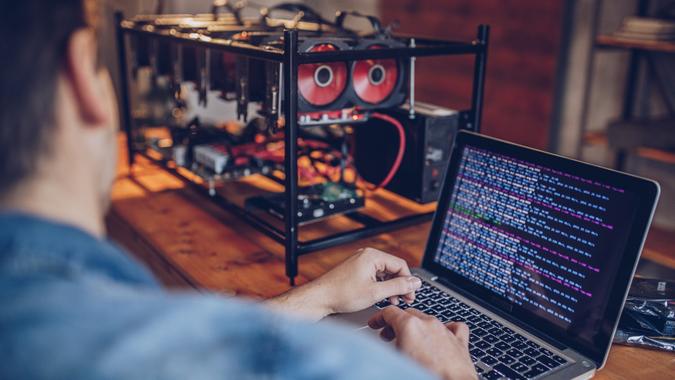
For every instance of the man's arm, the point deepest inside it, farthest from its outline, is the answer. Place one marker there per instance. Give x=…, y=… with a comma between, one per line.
x=88, y=326
x=354, y=285
x=359, y=282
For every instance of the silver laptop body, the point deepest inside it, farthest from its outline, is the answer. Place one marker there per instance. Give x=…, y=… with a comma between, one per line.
x=628, y=202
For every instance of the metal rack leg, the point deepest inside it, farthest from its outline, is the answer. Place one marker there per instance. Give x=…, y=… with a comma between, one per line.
x=291, y=151
x=479, y=78
x=124, y=88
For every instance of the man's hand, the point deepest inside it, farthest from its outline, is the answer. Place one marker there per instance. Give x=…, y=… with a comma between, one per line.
x=360, y=281
x=443, y=349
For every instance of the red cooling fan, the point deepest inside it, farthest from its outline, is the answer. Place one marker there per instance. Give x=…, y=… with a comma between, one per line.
x=320, y=84
x=374, y=80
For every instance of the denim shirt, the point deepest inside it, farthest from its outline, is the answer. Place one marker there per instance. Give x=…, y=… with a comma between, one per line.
x=76, y=307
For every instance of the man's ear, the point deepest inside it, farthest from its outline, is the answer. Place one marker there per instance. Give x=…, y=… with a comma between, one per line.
x=82, y=72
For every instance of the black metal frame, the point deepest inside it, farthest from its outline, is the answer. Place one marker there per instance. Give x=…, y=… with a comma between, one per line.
x=291, y=58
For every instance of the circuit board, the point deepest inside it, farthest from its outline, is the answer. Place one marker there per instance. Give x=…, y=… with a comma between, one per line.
x=314, y=202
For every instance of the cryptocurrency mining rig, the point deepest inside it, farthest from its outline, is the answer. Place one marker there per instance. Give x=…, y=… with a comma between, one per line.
x=313, y=119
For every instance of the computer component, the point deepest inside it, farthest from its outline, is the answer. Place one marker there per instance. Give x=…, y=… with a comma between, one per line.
x=266, y=40
x=378, y=83
x=223, y=73
x=213, y=157
x=322, y=85
x=143, y=51
x=535, y=252
x=428, y=143
x=314, y=202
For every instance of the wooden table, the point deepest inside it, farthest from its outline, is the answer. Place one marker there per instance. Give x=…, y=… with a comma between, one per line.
x=188, y=242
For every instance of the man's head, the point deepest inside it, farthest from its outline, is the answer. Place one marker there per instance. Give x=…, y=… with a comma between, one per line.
x=57, y=109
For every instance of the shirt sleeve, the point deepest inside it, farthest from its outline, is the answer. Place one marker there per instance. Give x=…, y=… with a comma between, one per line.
x=95, y=328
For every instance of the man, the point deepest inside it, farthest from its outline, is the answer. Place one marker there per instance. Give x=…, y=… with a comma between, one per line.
x=75, y=307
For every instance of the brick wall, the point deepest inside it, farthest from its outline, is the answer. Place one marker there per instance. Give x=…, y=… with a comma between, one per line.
x=524, y=46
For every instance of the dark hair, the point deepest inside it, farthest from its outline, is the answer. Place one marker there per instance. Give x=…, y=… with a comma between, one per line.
x=33, y=40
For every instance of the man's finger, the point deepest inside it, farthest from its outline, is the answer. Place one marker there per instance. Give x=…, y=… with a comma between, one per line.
x=385, y=262
x=460, y=330
x=396, y=287
x=391, y=265
x=387, y=334
x=385, y=317
x=419, y=314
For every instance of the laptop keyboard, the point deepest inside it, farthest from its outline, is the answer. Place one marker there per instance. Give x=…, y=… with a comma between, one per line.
x=497, y=351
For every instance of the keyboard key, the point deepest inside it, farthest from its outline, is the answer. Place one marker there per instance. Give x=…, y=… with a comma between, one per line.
x=531, y=352
x=508, y=372
x=540, y=367
x=485, y=325
x=490, y=339
x=502, y=346
x=477, y=352
x=506, y=359
x=519, y=345
x=484, y=345
x=496, y=331
x=532, y=373
x=507, y=338
x=550, y=363
x=480, y=332
x=489, y=360
x=559, y=359
x=519, y=367
x=494, y=351
x=527, y=360
x=492, y=375
x=515, y=353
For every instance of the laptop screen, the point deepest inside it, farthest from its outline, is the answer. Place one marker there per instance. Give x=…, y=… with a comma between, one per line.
x=540, y=234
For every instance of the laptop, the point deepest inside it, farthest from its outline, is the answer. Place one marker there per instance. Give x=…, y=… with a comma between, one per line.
x=535, y=252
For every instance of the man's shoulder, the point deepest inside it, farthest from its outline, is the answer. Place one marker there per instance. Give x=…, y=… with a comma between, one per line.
x=76, y=307
x=39, y=249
